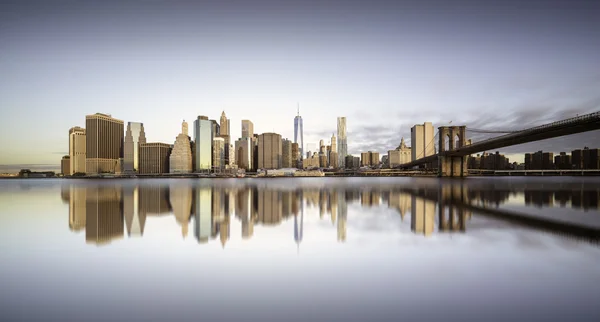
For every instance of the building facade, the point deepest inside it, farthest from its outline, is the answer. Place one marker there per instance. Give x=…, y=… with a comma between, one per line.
x=299, y=134
x=247, y=129
x=244, y=150
x=295, y=155
x=134, y=136
x=269, y=151
x=342, y=141
x=180, y=160
x=203, y=143
x=65, y=165
x=226, y=135
x=422, y=141
x=218, y=154
x=401, y=155
x=154, y=158
x=104, y=143
x=286, y=153
x=77, y=150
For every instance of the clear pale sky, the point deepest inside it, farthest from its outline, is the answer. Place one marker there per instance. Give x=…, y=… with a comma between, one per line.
x=385, y=65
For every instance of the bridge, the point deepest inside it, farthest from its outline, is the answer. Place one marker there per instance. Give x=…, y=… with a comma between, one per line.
x=452, y=161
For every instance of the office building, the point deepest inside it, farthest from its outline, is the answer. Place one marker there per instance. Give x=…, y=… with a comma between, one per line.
x=154, y=158
x=247, y=129
x=375, y=159
x=226, y=135
x=401, y=155
x=104, y=143
x=590, y=159
x=269, y=151
x=203, y=143
x=342, y=141
x=299, y=133
x=65, y=165
x=365, y=159
x=134, y=136
x=77, y=150
x=218, y=154
x=295, y=155
x=528, y=161
x=422, y=141
x=244, y=149
x=562, y=161
x=180, y=160
x=547, y=160
x=311, y=161
x=577, y=159
x=334, y=160
x=322, y=160
x=286, y=153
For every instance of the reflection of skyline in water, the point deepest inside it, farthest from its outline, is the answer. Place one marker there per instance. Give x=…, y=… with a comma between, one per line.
x=105, y=211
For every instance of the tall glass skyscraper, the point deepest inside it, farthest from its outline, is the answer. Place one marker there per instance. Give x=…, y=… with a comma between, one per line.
x=299, y=134
x=342, y=141
x=203, y=141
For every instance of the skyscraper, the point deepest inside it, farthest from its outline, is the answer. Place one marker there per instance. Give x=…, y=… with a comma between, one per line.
x=203, y=141
x=180, y=160
x=244, y=150
x=286, y=153
x=342, y=141
x=134, y=136
x=225, y=134
x=422, y=141
x=247, y=129
x=218, y=154
x=269, y=151
x=77, y=150
x=104, y=143
x=299, y=133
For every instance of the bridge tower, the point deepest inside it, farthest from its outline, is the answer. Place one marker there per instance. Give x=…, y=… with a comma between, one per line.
x=451, y=165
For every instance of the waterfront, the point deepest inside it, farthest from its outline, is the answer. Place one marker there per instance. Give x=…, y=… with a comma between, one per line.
x=349, y=249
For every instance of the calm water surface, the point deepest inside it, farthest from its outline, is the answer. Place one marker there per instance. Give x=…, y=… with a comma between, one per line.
x=312, y=249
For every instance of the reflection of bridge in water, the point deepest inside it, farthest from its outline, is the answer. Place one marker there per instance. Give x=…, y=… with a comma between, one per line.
x=104, y=209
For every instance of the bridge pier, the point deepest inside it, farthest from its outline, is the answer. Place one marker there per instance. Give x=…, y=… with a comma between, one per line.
x=452, y=166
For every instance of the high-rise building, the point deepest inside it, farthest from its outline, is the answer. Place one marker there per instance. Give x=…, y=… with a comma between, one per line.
x=295, y=155
x=203, y=141
x=77, y=150
x=365, y=159
x=342, y=141
x=226, y=135
x=244, y=149
x=154, y=158
x=422, y=141
x=104, y=143
x=299, y=133
x=247, y=129
x=577, y=159
x=134, y=136
x=286, y=153
x=269, y=151
x=374, y=156
x=181, y=157
x=334, y=160
x=218, y=154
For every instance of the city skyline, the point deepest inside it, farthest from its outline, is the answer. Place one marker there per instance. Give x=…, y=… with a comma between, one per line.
x=497, y=66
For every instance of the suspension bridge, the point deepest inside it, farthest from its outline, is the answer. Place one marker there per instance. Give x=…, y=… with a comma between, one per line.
x=453, y=150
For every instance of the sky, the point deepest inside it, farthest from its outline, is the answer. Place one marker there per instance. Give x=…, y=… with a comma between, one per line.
x=385, y=65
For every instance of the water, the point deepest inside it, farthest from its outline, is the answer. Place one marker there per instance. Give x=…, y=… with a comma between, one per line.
x=322, y=249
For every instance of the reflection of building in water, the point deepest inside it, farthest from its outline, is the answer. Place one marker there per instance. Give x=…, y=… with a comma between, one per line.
x=400, y=201
x=342, y=217
x=244, y=211
x=224, y=230
x=218, y=210
x=322, y=203
x=154, y=200
x=104, y=214
x=269, y=207
x=333, y=202
x=77, y=211
x=585, y=199
x=370, y=198
x=422, y=216
x=181, y=197
x=287, y=201
x=202, y=215
x=539, y=198
x=299, y=228
x=134, y=220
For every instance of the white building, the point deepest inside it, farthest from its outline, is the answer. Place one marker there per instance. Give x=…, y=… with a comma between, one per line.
x=180, y=160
